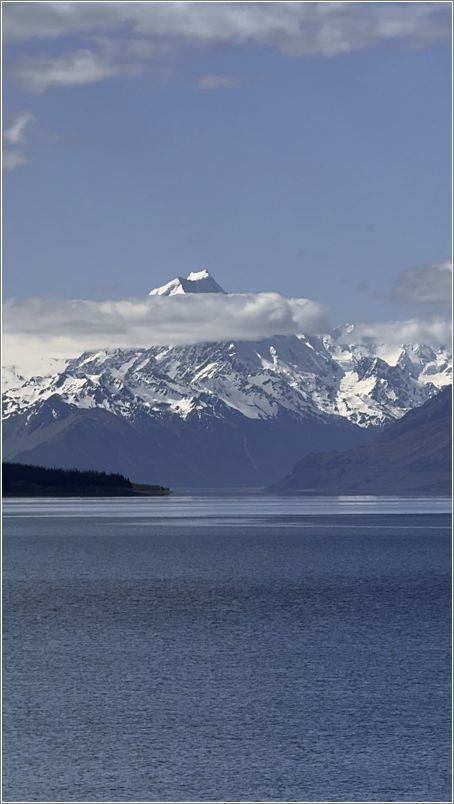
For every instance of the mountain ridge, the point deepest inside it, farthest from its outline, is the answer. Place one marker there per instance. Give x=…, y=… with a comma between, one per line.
x=412, y=456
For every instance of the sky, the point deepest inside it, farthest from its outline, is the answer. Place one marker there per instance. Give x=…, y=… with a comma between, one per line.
x=300, y=149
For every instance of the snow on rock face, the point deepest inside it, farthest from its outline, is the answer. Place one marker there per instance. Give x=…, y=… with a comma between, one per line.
x=297, y=375
x=195, y=282
x=22, y=388
x=11, y=377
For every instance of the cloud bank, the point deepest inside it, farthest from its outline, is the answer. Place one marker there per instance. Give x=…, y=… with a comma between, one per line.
x=51, y=328
x=71, y=326
x=327, y=28
x=298, y=29
x=428, y=284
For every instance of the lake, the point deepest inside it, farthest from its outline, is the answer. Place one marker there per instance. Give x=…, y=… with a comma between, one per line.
x=227, y=648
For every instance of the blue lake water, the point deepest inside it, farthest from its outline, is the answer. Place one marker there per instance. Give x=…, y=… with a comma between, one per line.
x=233, y=648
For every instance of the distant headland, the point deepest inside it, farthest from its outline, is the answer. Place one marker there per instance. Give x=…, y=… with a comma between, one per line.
x=23, y=480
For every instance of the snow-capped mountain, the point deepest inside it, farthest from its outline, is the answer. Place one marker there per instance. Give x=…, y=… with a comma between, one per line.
x=300, y=375
x=195, y=282
x=261, y=404
x=14, y=377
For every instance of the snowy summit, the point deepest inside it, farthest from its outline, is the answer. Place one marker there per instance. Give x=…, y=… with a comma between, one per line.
x=195, y=282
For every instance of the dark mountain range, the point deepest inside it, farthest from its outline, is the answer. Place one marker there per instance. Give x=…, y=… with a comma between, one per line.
x=412, y=456
x=224, y=449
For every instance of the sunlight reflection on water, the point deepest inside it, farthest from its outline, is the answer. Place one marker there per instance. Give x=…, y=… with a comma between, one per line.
x=235, y=509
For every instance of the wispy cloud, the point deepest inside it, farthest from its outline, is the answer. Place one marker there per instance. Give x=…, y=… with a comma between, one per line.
x=217, y=82
x=427, y=284
x=71, y=69
x=432, y=331
x=14, y=135
x=12, y=159
x=299, y=29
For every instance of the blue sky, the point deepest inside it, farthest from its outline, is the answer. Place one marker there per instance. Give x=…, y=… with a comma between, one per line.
x=307, y=155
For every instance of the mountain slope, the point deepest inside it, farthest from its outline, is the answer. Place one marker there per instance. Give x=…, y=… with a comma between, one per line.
x=412, y=456
x=221, y=448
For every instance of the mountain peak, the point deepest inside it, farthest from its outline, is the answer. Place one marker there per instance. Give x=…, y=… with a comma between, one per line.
x=196, y=276
x=195, y=282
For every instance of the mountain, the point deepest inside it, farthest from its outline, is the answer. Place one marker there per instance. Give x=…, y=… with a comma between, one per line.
x=211, y=414
x=48, y=366
x=211, y=446
x=195, y=282
x=412, y=456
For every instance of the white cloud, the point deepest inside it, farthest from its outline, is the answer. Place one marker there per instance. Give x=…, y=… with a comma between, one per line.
x=105, y=58
x=72, y=69
x=12, y=159
x=427, y=284
x=296, y=28
x=217, y=82
x=434, y=331
x=14, y=134
x=326, y=28
x=38, y=329
x=66, y=326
